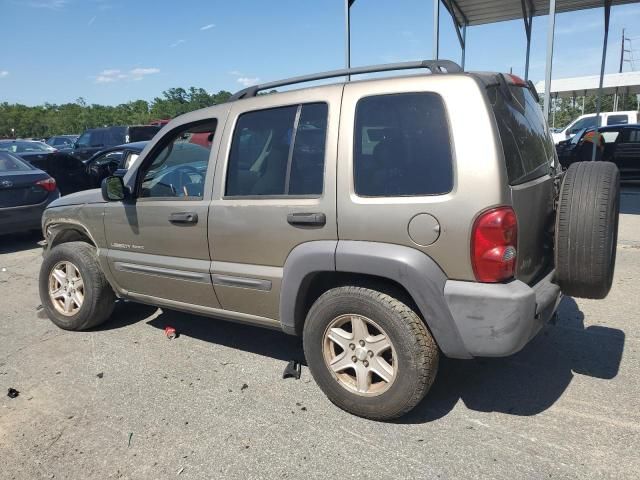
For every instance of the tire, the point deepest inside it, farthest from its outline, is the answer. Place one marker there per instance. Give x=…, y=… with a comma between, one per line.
x=414, y=352
x=98, y=299
x=587, y=229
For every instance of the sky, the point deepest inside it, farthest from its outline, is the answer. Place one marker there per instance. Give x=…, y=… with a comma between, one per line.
x=115, y=51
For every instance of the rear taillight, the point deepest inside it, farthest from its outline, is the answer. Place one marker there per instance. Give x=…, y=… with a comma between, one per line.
x=49, y=184
x=516, y=80
x=493, y=245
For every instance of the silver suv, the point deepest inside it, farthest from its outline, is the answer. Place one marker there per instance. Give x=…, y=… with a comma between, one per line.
x=386, y=221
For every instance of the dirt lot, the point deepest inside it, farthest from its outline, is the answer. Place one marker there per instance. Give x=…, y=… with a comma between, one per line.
x=125, y=402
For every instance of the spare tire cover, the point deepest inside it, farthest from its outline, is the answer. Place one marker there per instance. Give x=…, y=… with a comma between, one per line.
x=587, y=229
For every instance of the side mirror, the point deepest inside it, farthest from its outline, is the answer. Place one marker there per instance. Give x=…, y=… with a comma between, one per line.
x=113, y=189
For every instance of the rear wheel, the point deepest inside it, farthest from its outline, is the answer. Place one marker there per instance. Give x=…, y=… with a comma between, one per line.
x=369, y=352
x=73, y=290
x=587, y=229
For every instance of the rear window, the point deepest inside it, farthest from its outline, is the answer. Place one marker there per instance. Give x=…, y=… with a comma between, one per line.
x=527, y=145
x=402, y=146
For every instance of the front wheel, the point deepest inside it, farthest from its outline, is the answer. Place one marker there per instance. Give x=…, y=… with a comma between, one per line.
x=369, y=352
x=73, y=290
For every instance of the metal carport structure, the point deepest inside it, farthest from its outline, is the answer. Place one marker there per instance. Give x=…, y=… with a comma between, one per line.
x=466, y=13
x=625, y=83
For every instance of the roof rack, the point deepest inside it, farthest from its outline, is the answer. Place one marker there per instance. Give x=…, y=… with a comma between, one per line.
x=436, y=66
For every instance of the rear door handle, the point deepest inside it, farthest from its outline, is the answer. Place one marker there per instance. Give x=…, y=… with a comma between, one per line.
x=307, y=219
x=184, y=217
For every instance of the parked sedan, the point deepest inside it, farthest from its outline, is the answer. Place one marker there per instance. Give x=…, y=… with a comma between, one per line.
x=619, y=144
x=70, y=173
x=25, y=147
x=25, y=192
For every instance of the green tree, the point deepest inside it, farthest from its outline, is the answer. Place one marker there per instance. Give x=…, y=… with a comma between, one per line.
x=50, y=119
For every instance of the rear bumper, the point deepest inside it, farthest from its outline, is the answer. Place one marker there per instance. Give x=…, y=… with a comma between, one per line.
x=496, y=320
x=20, y=219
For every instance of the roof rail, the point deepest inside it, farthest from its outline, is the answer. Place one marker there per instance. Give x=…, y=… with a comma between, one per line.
x=436, y=66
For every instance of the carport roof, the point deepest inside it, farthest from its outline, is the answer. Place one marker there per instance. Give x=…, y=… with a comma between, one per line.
x=480, y=12
x=626, y=82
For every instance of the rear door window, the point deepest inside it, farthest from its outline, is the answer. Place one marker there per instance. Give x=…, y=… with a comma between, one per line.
x=98, y=138
x=279, y=151
x=527, y=145
x=631, y=135
x=402, y=146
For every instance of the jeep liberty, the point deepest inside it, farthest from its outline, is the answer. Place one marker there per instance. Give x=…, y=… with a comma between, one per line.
x=385, y=221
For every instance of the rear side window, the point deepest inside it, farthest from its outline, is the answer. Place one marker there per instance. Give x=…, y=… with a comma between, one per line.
x=527, y=145
x=9, y=163
x=617, y=120
x=142, y=133
x=402, y=146
x=631, y=136
x=279, y=151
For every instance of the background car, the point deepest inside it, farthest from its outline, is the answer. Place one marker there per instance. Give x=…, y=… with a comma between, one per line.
x=107, y=162
x=62, y=142
x=70, y=173
x=589, y=121
x=27, y=147
x=619, y=144
x=25, y=191
x=97, y=139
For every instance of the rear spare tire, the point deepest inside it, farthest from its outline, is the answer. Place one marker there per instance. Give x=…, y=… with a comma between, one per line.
x=587, y=229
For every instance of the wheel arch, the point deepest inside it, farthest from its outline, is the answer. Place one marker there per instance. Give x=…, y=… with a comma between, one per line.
x=64, y=232
x=314, y=267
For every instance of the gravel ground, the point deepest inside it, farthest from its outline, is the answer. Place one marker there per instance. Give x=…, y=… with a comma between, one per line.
x=125, y=402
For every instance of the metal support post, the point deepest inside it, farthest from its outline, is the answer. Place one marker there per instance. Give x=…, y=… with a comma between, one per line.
x=607, y=12
x=528, y=10
x=436, y=29
x=464, y=45
x=347, y=39
x=547, y=75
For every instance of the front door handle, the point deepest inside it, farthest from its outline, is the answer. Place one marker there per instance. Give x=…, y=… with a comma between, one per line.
x=184, y=218
x=307, y=219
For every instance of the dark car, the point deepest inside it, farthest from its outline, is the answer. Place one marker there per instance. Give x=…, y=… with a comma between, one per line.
x=70, y=173
x=62, y=142
x=29, y=147
x=107, y=162
x=96, y=139
x=25, y=192
x=619, y=144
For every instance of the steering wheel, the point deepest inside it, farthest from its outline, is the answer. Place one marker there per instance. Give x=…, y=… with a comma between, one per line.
x=184, y=172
